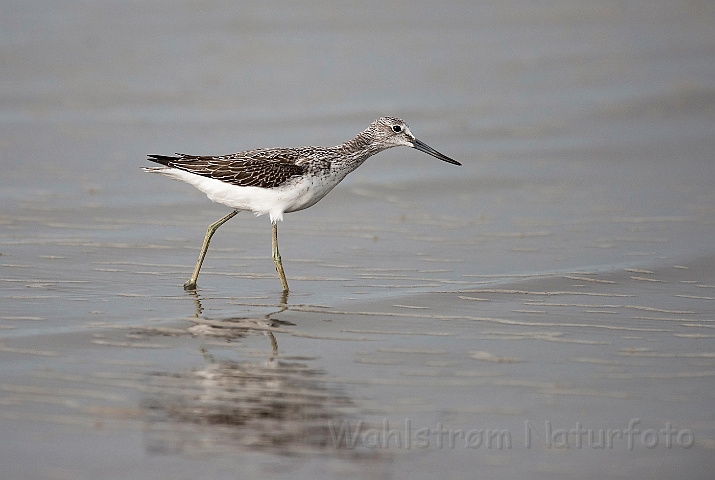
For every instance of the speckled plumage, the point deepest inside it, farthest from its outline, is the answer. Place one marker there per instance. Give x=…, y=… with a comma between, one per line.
x=265, y=168
x=277, y=168
x=275, y=181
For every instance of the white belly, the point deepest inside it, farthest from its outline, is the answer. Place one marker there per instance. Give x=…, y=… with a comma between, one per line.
x=273, y=201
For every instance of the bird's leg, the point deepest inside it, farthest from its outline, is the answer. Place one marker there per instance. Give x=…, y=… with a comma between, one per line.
x=191, y=283
x=277, y=258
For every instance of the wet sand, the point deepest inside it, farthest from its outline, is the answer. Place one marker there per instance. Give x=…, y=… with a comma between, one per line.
x=545, y=311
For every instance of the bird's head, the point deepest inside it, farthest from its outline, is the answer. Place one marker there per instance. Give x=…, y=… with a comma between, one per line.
x=393, y=132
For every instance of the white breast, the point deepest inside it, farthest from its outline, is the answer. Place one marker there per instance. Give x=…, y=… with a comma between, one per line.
x=305, y=192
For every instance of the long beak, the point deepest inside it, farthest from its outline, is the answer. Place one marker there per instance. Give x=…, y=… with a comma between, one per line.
x=423, y=147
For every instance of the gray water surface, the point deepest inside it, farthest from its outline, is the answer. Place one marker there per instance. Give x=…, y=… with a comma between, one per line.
x=544, y=311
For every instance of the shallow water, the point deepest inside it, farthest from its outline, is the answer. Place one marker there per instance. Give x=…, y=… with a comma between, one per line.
x=522, y=315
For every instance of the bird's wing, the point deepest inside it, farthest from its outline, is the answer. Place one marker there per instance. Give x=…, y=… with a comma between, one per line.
x=265, y=168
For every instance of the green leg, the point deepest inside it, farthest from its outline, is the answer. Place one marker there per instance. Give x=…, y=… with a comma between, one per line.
x=191, y=283
x=277, y=259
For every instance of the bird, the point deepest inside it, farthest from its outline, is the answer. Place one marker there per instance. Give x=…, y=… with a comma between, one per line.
x=276, y=181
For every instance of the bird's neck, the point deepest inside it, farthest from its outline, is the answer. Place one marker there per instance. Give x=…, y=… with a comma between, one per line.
x=360, y=148
x=363, y=142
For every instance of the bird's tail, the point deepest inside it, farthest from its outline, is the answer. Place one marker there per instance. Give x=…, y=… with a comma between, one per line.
x=162, y=159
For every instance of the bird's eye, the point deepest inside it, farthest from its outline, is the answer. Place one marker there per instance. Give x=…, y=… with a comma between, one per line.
x=396, y=128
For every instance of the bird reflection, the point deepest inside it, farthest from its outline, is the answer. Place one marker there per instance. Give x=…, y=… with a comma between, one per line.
x=277, y=403
x=238, y=327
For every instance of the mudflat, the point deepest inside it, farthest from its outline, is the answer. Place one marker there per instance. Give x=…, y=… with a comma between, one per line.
x=546, y=310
